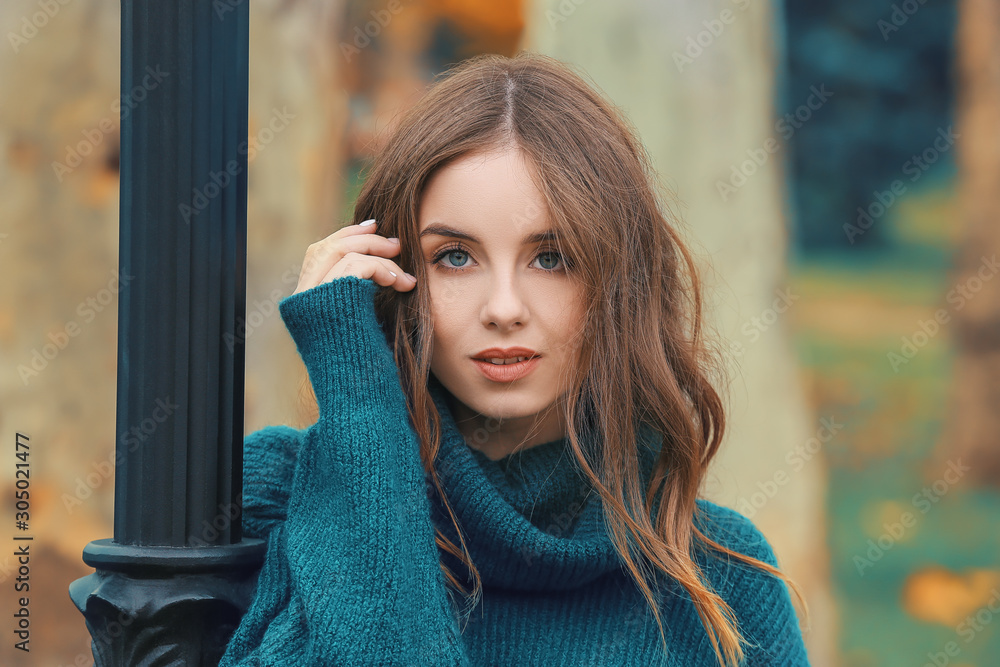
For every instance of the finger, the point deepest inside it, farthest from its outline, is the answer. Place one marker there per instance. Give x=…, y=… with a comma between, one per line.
x=383, y=271
x=325, y=247
x=324, y=255
x=366, y=227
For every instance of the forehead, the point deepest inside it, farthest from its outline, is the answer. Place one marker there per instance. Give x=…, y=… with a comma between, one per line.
x=484, y=192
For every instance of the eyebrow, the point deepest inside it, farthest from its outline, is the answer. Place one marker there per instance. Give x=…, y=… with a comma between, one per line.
x=438, y=229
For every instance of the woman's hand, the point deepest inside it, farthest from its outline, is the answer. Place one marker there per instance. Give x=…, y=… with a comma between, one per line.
x=357, y=251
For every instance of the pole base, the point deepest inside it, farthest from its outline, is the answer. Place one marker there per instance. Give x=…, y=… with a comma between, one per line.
x=149, y=606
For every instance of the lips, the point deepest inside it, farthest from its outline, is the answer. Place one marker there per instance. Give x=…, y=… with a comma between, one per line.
x=506, y=364
x=505, y=354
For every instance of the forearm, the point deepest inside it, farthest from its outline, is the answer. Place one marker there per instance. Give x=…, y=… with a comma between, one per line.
x=360, y=538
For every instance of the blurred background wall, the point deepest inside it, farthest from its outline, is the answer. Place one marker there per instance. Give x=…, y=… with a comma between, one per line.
x=835, y=165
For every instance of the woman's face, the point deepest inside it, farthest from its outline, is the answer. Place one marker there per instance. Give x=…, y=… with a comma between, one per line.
x=497, y=281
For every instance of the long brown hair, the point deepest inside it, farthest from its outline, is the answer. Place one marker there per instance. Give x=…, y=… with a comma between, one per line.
x=642, y=351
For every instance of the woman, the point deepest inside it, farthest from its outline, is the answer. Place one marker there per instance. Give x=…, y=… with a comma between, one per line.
x=514, y=411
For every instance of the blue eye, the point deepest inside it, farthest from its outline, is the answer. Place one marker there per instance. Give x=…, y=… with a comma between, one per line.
x=549, y=260
x=453, y=250
x=553, y=257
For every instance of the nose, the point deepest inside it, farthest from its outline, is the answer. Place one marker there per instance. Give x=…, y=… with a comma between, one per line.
x=505, y=307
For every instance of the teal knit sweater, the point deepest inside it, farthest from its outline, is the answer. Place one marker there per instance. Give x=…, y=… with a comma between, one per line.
x=352, y=576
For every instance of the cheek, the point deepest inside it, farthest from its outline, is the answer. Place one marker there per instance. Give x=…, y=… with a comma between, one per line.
x=446, y=316
x=562, y=306
x=564, y=318
x=444, y=296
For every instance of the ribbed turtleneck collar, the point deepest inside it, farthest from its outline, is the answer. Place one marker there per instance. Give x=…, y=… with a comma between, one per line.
x=531, y=520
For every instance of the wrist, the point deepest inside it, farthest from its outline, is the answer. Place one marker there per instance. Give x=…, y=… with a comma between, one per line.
x=337, y=334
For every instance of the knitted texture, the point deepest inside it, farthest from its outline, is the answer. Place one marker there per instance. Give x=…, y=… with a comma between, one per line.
x=352, y=575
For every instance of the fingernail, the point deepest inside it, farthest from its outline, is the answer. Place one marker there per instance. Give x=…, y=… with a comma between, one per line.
x=367, y=222
x=393, y=274
x=411, y=277
x=393, y=239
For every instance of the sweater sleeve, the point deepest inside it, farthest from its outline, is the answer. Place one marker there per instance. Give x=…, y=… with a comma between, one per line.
x=269, y=457
x=351, y=576
x=761, y=601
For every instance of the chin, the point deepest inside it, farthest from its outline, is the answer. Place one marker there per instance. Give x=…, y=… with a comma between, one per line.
x=492, y=400
x=507, y=404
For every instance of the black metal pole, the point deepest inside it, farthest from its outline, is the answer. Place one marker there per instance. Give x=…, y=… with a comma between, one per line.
x=173, y=583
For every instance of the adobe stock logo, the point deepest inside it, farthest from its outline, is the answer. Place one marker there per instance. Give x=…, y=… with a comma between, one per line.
x=785, y=127
x=926, y=330
x=755, y=327
x=88, y=310
x=796, y=458
x=163, y=409
x=363, y=36
x=901, y=13
x=967, y=629
x=915, y=167
x=922, y=501
x=121, y=107
x=31, y=25
x=698, y=43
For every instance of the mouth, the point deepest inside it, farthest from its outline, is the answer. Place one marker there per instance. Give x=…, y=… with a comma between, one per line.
x=506, y=365
x=504, y=362
x=502, y=356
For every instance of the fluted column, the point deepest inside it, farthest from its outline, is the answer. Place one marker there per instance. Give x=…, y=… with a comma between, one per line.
x=175, y=579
